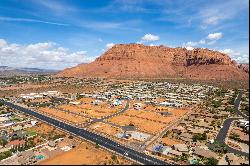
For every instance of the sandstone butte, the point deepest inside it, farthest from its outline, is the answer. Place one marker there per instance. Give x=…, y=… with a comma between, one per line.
x=133, y=61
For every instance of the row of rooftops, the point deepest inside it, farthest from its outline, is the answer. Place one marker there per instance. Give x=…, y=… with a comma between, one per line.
x=33, y=95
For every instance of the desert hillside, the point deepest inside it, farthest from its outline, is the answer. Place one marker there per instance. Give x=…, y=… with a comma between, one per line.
x=140, y=61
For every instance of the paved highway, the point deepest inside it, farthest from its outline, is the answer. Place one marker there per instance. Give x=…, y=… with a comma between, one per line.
x=103, y=141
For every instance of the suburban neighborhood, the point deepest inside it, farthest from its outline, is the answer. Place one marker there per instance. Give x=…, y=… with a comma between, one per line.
x=175, y=122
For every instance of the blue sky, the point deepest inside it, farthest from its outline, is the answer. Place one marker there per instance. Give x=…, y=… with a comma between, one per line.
x=56, y=34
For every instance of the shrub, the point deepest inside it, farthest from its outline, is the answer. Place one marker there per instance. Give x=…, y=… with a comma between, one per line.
x=216, y=104
x=3, y=142
x=211, y=161
x=234, y=136
x=97, y=145
x=231, y=101
x=166, y=134
x=114, y=157
x=199, y=136
x=231, y=110
x=220, y=148
x=184, y=157
x=5, y=155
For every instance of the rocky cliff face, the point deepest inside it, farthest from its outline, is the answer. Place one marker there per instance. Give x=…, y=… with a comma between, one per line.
x=244, y=67
x=140, y=61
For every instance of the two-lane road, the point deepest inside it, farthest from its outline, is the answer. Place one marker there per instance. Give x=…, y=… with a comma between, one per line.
x=237, y=105
x=103, y=141
x=221, y=137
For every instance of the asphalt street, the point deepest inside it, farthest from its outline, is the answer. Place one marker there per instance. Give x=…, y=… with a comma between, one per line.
x=237, y=104
x=221, y=137
x=107, y=117
x=103, y=141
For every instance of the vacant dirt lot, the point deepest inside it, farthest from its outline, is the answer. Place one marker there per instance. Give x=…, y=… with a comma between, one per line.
x=144, y=125
x=150, y=122
x=63, y=115
x=153, y=116
x=86, y=154
x=91, y=110
x=105, y=128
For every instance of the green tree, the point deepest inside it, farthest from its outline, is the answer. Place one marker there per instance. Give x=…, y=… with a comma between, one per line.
x=97, y=145
x=114, y=157
x=78, y=96
x=19, y=147
x=216, y=103
x=234, y=136
x=228, y=109
x=220, y=148
x=245, y=110
x=166, y=134
x=211, y=161
x=5, y=155
x=184, y=157
x=3, y=142
x=231, y=101
x=199, y=136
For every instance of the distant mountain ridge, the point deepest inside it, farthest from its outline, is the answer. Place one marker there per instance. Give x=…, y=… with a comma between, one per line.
x=6, y=70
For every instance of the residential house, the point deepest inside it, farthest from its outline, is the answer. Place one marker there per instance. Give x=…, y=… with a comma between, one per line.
x=232, y=159
x=178, y=129
x=200, y=152
x=203, y=124
x=196, y=130
x=181, y=148
x=138, y=106
x=26, y=157
x=186, y=137
x=15, y=143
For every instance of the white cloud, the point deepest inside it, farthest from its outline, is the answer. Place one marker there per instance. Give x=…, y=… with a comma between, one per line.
x=2, y=43
x=58, y=7
x=214, y=36
x=226, y=51
x=149, y=37
x=202, y=42
x=237, y=56
x=190, y=43
x=212, y=20
x=42, y=55
x=215, y=14
x=209, y=40
x=189, y=48
x=109, y=45
x=31, y=20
